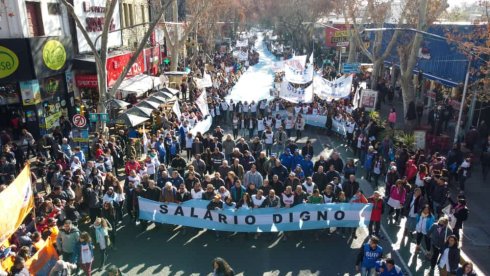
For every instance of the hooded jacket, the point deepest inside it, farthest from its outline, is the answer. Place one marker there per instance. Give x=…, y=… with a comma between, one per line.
x=67, y=240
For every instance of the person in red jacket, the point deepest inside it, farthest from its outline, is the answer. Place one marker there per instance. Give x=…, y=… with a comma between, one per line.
x=378, y=207
x=132, y=165
x=411, y=171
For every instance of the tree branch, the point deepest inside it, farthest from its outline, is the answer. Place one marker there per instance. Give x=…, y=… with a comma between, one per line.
x=140, y=48
x=83, y=30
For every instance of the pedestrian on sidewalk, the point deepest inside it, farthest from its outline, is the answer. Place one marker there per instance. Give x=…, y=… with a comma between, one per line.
x=392, y=118
x=438, y=234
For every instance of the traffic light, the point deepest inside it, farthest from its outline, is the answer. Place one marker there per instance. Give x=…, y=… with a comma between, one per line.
x=166, y=61
x=82, y=110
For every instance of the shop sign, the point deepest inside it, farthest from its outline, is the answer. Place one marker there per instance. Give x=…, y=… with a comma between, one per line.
x=30, y=91
x=116, y=64
x=92, y=14
x=9, y=62
x=86, y=81
x=54, y=55
x=52, y=119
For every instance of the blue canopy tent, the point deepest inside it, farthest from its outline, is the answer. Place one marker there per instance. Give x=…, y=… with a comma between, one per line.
x=438, y=59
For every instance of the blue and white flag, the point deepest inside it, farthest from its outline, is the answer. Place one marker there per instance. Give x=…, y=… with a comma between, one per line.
x=194, y=213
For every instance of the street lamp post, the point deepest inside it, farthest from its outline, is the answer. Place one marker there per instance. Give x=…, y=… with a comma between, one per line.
x=465, y=90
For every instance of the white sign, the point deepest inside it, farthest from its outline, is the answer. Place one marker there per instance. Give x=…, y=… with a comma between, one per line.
x=92, y=14
x=336, y=89
x=299, y=76
x=176, y=109
x=242, y=56
x=242, y=43
x=368, y=99
x=296, y=94
x=419, y=138
x=79, y=120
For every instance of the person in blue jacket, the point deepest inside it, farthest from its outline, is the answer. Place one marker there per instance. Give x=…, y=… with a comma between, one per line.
x=307, y=166
x=296, y=159
x=286, y=159
x=160, y=147
x=369, y=254
x=388, y=268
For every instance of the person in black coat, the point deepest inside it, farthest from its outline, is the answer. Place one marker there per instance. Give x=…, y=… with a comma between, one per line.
x=461, y=213
x=450, y=256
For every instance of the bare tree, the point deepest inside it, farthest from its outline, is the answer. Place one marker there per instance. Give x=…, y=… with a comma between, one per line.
x=100, y=57
x=176, y=42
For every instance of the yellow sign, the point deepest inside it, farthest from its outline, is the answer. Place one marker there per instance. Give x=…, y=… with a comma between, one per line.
x=52, y=119
x=9, y=62
x=54, y=55
x=16, y=202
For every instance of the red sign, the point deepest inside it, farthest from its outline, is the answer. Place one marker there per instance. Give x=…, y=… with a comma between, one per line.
x=79, y=120
x=152, y=59
x=335, y=35
x=115, y=66
x=86, y=81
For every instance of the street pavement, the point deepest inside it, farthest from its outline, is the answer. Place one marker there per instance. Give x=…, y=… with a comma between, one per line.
x=166, y=250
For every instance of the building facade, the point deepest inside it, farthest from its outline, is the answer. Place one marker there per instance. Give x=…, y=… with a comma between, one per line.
x=36, y=81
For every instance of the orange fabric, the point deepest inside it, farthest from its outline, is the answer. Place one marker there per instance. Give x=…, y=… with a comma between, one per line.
x=46, y=256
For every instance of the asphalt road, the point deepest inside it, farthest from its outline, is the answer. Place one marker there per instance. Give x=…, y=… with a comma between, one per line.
x=167, y=251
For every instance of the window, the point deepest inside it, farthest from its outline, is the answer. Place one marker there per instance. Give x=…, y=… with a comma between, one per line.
x=126, y=15
x=54, y=9
x=131, y=14
x=143, y=14
x=34, y=18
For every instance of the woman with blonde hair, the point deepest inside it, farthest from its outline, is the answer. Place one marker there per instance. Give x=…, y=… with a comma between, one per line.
x=102, y=227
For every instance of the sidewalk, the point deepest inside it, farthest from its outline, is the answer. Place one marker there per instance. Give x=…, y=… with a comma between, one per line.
x=476, y=230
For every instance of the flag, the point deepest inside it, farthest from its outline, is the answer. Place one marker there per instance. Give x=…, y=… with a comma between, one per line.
x=202, y=103
x=43, y=261
x=16, y=202
x=311, y=60
x=176, y=109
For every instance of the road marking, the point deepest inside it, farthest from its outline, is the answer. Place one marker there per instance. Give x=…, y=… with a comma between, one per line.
x=404, y=264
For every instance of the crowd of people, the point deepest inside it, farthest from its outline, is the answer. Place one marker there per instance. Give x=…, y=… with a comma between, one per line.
x=269, y=168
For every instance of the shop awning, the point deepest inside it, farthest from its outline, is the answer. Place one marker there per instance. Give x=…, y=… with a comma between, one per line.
x=170, y=90
x=139, y=85
x=115, y=103
x=165, y=95
x=140, y=111
x=156, y=99
x=130, y=120
x=149, y=104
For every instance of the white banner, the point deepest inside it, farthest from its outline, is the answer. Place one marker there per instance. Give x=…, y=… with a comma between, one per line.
x=299, y=76
x=202, y=126
x=296, y=95
x=176, y=109
x=336, y=89
x=242, y=43
x=296, y=62
x=204, y=82
x=202, y=103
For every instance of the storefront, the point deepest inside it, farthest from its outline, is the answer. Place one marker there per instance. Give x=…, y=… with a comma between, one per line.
x=86, y=73
x=35, y=86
